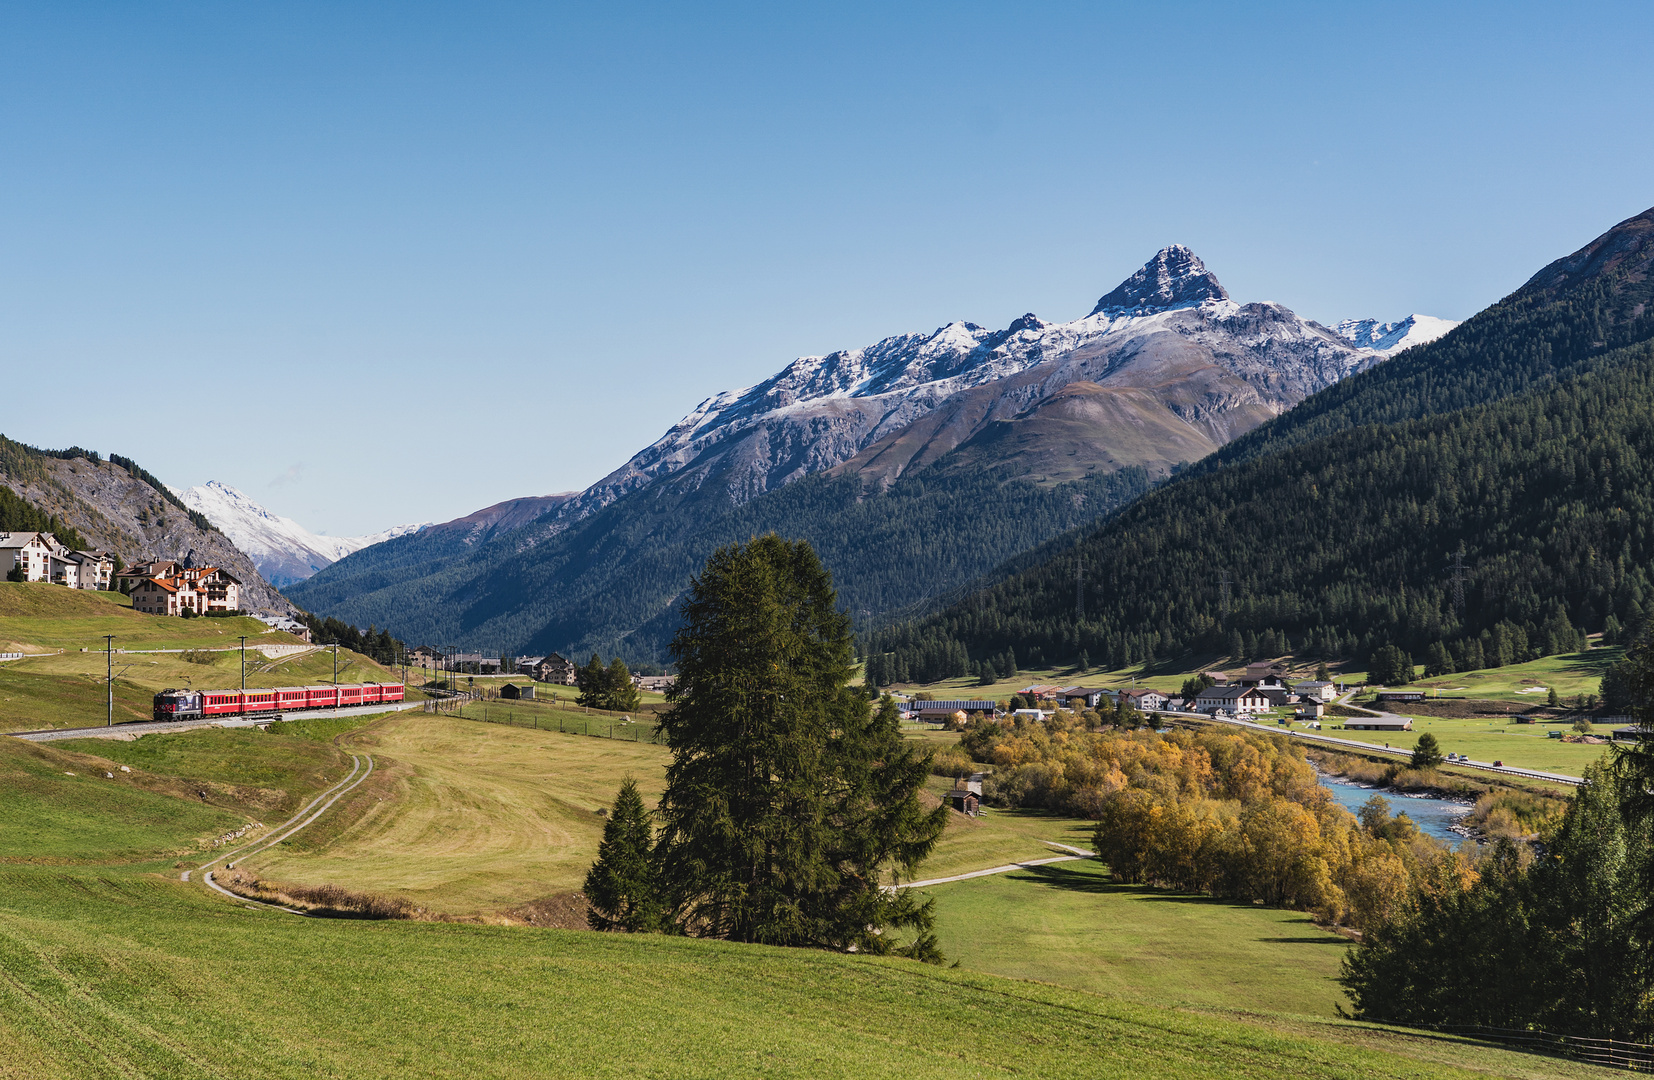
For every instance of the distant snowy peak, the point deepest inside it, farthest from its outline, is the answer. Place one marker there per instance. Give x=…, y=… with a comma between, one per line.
x=283, y=550
x=1174, y=278
x=1392, y=337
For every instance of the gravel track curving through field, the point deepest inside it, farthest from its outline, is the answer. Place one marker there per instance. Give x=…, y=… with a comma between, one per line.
x=313, y=810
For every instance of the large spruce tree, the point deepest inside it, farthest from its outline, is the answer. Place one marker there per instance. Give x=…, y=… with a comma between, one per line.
x=787, y=797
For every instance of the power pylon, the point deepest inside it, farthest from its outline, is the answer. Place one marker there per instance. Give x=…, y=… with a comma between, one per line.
x=1458, y=570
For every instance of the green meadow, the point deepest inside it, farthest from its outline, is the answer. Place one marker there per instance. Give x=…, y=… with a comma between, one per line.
x=112, y=966
x=61, y=682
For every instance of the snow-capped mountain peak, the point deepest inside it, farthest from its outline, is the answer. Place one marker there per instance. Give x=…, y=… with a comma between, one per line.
x=283, y=550
x=1392, y=337
x=1174, y=278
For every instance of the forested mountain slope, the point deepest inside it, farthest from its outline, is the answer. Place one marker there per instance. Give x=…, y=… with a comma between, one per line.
x=1574, y=311
x=609, y=582
x=1342, y=542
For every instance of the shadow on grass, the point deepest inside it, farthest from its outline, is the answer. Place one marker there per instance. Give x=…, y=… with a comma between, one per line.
x=1092, y=877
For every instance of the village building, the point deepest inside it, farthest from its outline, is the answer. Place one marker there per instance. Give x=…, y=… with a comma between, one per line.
x=1309, y=688
x=129, y=578
x=1379, y=723
x=97, y=569
x=1235, y=700
x=555, y=669
x=655, y=684
x=30, y=550
x=940, y=712
x=42, y=558
x=966, y=795
x=1144, y=700
x=198, y=590
x=1264, y=671
x=1081, y=697
x=517, y=693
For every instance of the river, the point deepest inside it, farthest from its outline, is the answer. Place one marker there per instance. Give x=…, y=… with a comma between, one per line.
x=1431, y=815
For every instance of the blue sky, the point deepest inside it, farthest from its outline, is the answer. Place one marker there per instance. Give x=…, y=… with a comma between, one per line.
x=386, y=263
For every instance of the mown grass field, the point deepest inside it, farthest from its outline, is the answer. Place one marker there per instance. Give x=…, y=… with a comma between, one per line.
x=1524, y=685
x=1522, y=745
x=475, y=817
x=111, y=966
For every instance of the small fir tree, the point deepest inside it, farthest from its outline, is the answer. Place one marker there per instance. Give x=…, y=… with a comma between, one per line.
x=1427, y=753
x=621, y=884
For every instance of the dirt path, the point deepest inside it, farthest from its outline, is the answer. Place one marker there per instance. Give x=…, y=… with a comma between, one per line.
x=313, y=810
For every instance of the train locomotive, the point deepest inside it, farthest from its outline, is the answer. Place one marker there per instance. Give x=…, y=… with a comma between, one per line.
x=196, y=704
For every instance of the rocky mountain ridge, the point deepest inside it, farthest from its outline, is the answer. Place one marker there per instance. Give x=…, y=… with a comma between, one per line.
x=117, y=511
x=1063, y=421
x=1390, y=338
x=283, y=550
x=1166, y=356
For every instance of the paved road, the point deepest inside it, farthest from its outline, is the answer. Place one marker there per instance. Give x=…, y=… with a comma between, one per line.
x=1370, y=748
x=313, y=810
x=132, y=731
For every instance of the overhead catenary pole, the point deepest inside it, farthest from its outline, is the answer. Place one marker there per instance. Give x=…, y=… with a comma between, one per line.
x=243, y=663
x=109, y=680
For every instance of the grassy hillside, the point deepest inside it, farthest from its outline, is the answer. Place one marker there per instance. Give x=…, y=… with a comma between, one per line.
x=125, y=973
x=124, y=970
x=41, y=618
x=66, y=689
x=474, y=817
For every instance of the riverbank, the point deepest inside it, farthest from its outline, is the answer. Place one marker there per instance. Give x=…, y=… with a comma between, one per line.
x=1498, y=808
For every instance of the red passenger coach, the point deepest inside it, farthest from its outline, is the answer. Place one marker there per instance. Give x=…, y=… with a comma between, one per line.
x=182, y=704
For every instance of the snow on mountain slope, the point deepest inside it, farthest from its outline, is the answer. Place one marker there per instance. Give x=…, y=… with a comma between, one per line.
x=1392, y=337
x=283, y=550
x=911, y=398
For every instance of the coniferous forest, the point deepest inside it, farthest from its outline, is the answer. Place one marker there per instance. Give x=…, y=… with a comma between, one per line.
x=1338, y=525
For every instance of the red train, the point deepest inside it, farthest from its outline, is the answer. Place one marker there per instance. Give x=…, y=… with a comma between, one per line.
x=192, y=704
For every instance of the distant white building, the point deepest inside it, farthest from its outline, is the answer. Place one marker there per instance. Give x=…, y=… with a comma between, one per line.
x=44, y=559
x=1321, y=691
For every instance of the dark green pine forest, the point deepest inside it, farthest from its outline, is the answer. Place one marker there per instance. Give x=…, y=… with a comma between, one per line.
x=610, y=582
x=1524, y=440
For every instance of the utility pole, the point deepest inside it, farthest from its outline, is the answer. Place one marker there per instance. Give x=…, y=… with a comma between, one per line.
x=109, y=655
x=335, y=663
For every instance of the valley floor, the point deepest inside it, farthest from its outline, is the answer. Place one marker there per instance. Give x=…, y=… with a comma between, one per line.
x=109, y=965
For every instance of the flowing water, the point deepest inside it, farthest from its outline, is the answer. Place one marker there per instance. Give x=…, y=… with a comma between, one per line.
x=1431, y=815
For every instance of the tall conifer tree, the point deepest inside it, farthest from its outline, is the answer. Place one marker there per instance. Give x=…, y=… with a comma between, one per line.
x=787, y=797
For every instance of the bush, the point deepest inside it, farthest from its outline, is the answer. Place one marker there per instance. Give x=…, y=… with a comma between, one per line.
x=952, y=761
